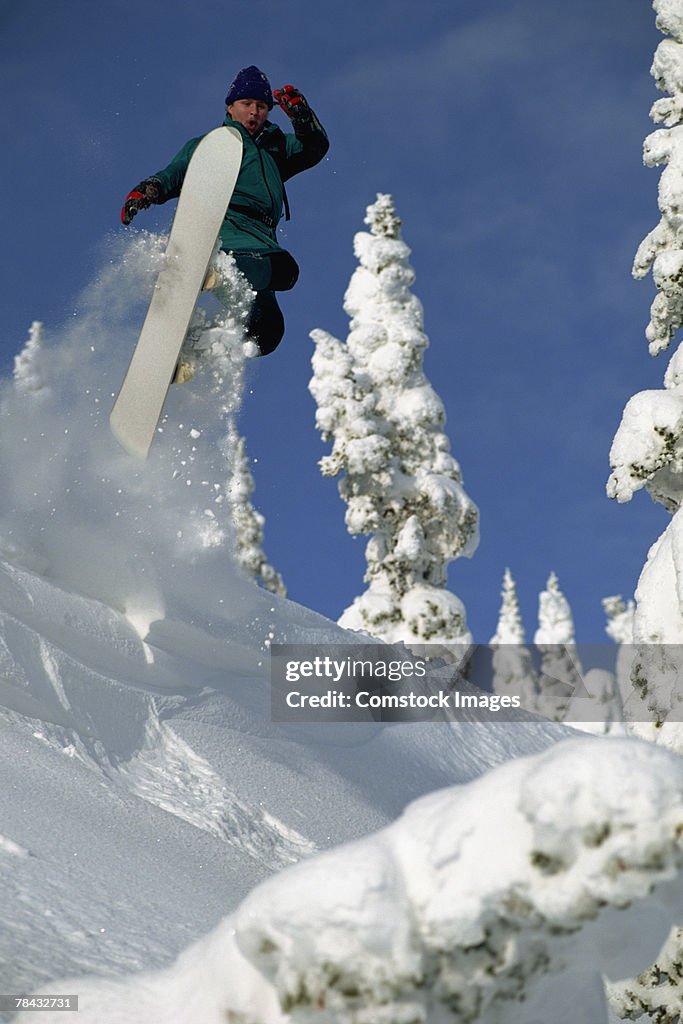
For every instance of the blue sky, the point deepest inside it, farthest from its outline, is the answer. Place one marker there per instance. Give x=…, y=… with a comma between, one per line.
x=510, y=136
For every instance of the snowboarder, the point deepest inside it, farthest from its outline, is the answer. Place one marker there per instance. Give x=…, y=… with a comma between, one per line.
x=270, y=157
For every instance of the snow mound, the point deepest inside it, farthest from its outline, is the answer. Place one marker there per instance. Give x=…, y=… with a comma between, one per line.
x=503, y=900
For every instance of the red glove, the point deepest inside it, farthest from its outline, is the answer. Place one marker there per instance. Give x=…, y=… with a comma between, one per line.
x=293, y=103
x=142, y=196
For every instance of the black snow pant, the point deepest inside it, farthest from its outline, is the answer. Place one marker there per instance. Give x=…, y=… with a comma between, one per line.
x=267, y=273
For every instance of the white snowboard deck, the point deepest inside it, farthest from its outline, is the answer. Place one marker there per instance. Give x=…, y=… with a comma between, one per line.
x=204, y=197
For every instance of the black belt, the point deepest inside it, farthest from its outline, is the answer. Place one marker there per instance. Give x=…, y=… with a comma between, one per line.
x=251, y=211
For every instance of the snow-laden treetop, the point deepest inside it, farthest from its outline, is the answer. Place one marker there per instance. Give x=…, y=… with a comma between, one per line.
x=555, y=621
x=382, y=219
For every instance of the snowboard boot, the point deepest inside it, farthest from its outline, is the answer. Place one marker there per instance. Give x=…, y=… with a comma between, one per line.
x=183, y=372
x=211, y=280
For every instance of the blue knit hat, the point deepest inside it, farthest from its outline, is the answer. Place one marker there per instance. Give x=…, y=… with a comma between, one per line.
x=250, y=84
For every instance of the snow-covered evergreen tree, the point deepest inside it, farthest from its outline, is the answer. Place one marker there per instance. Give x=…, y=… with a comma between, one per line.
x=248, y=523
x=560, y=677
x=648, y=452
x=619, y=628
x=510, y=629
x=648, y=447
x=400, y=482
x=619, y=619
x=216, y=344
x=513, y=670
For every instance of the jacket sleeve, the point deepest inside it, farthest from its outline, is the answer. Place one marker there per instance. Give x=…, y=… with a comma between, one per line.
x=172, y=177
x=304, y=148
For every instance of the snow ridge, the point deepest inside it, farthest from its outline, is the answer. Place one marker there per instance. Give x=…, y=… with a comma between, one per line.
x=122, y=733
x=168, y=773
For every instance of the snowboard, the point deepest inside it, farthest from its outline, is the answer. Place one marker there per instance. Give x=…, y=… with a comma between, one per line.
x=204, y=197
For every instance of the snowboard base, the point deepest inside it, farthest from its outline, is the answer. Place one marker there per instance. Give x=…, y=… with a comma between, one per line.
x=204, y=198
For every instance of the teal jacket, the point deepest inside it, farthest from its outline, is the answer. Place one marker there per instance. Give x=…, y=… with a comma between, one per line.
x=267, y=163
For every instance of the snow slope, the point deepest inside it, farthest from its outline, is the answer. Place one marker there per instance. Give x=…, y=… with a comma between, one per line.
x=449, y=914
x=168, y=848
x=142, y=800
x=145, y=788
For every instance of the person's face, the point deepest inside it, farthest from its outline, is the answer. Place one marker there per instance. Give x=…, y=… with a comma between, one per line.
x=250, y=113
